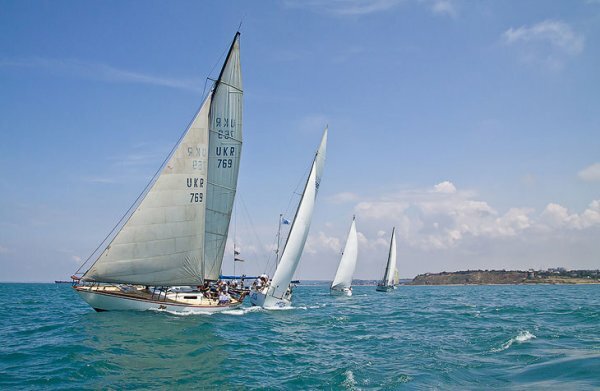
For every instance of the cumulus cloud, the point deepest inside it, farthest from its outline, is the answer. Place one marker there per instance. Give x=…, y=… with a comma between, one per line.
x=443, y=217
x=556, y=216
x=320, y=242
x=549, y=43
x=590, y=173
x=445, y=187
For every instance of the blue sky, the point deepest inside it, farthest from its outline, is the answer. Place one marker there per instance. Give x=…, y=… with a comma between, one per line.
x=473, y=127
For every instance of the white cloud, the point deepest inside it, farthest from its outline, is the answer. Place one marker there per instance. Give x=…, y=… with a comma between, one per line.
x=445, y=218
x=341, y=198
x=442, y=7
x=357, y=8
x=103, y=72
x=558, y=217
x=591, y=173
x=322, y=242
x=76, y=259
x=445, y=187
x=548, y=43
x=345, y=7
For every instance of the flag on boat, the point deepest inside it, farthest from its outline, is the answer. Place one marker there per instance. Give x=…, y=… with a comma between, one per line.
x=285, y=221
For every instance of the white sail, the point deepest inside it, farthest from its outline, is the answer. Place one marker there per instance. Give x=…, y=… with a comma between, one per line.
x=177, y=232
x=300, y=226
x=388, y=278
x=224, y=154
x=345, y=271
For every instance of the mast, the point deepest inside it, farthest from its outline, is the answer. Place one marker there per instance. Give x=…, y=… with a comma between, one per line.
x=278, y=241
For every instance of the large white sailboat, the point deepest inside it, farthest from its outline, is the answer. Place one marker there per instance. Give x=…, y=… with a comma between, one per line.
x=387, y=283
x=342, y=283
x=277, y=293
x=167, y=252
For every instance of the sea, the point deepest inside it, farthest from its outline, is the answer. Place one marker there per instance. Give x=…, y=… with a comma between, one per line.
x=415, y=337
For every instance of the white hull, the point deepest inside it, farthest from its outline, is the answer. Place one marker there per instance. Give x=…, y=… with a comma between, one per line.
x=341, y=292
x=261, y=299
x=103, y=301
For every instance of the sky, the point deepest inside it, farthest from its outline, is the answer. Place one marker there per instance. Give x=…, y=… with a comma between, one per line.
x=471, y=127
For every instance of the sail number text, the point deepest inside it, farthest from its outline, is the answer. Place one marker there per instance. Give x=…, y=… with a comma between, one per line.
x=225, y=123
x=195, y=183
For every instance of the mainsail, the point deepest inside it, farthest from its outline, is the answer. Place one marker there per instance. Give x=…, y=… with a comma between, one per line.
x=345, y=271
x=177, y=233
x=388, y=277
x=300, y=226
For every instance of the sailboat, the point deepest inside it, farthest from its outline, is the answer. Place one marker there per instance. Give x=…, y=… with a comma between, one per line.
x=342, y=283
x=387, y=283
x=277, y=292
x=166, y=254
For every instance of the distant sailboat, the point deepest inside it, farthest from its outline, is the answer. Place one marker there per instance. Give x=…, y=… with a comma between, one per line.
x=342, y=283
x=173, y=241
x=278, y=292
x=387, y=283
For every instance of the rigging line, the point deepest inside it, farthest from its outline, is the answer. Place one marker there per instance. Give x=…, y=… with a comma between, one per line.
x=252, y=226
x=212, y=69
x=295, y=192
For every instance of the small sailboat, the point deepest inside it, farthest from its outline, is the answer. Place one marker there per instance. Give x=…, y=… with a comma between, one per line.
x=387, y=284
x=342, y=283
x=167, y=252
x=278, y=292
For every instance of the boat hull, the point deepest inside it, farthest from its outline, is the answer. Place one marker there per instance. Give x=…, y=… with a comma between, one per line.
x=261, y=299
x=341, y=292
x=103, y=301
x=384, y=288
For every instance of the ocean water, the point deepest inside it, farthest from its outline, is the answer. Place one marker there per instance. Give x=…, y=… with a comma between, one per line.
x=416, y=337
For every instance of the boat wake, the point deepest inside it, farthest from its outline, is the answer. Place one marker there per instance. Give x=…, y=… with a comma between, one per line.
x=241, y=311
x=523, y=336
x=182, y=313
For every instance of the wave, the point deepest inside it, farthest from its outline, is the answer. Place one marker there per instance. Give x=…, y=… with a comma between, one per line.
x=523, y=336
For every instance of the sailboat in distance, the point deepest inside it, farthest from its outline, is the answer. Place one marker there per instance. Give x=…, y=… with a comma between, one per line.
x=342, y=283
x=387, y=284
x=166, y=254
x=277, y=293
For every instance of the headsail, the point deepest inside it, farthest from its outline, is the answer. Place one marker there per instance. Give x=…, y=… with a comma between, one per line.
x=224, y=152
x=345, y=271
x=300, y=226
x=388, y=277
x=177, y=232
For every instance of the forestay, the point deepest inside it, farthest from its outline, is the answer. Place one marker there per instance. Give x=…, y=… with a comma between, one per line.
x=345, y=271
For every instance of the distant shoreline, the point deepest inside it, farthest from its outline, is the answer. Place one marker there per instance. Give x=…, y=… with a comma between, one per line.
x=509, y=277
